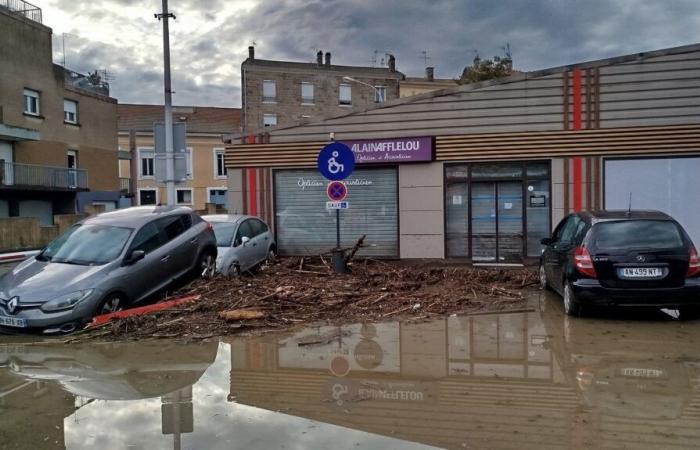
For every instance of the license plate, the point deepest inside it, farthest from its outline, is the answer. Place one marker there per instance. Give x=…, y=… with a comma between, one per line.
x=13, y=322
x=640, y=272
x=641, y=373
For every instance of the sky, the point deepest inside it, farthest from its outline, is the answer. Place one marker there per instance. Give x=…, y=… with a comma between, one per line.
x=209, y=38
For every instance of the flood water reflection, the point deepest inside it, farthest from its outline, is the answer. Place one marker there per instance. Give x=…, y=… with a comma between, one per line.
x=498, y=381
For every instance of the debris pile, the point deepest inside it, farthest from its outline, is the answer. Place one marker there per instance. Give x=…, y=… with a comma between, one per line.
x=296, y=291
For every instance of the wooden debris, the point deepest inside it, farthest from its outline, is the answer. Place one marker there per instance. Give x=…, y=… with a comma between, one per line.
x=241, y=314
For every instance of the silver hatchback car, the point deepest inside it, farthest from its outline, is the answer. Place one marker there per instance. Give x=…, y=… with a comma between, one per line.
x=243, y=242
x=104, y=263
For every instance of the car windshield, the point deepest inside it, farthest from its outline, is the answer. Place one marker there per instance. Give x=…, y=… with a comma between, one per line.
x=637, y=234
x=224, y=233
x=87, y=245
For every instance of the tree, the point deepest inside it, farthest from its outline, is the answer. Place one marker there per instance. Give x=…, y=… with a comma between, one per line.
x=487, y=69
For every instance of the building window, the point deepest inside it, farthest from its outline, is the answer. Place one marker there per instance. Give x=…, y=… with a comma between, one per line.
x=269, y=120
x=145, y=162
x=148, y=196
x=307, y=93
x=345, y=94
x=217, y=196
x=31, y=102
x=184, y=196
x=269, y=91
x=70, y=111
x=219, y=164
x=379, y=94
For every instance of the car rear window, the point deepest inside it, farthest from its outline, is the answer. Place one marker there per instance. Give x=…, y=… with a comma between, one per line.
x=223, y=232
x=635, y=234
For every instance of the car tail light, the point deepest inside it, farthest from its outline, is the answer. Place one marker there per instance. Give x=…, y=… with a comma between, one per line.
x=584, y=263
x=693, y=262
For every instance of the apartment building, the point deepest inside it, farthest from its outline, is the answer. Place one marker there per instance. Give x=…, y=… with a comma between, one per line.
x=58, y=128
x=279, y=93
x=206, y=174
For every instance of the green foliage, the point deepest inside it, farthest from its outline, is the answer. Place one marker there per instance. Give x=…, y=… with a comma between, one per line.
x=486, y=69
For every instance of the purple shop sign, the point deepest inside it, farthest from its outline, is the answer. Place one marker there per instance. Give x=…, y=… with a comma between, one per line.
x=394, y=150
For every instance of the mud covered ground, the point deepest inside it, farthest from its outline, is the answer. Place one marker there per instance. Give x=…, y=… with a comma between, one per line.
x=294, y=291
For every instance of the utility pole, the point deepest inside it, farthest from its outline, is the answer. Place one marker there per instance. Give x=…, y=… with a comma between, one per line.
x=169, y=154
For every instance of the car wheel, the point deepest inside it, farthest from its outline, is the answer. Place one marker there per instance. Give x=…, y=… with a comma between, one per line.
x=689, y=313
x=234, y=270
x=271, y=255
x=544, y=285
x=571, y=305
x=110, y=304
x=206, y=267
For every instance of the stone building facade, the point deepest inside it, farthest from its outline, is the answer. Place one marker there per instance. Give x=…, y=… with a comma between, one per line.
x=281, y=93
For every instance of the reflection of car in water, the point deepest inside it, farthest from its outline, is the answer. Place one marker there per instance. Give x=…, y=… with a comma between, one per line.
x=635, y=388
x=123, y=371
x=623, y=370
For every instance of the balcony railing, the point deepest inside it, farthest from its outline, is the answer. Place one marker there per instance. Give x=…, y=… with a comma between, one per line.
x=29, y=175
x=23, y=8
x=125, y=185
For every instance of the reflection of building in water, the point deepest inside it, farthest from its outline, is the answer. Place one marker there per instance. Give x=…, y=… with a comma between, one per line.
x=493, y=381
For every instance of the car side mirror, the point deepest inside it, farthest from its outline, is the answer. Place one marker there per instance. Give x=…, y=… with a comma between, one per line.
x=134, y=256
x=244, y=240
x=547, y=241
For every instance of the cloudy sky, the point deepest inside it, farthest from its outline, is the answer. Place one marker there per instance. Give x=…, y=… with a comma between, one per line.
x=209, y=39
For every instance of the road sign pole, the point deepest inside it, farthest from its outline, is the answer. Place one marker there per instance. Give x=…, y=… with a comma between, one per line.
x=337, y=228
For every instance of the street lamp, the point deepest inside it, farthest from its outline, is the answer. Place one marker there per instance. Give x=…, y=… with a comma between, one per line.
x=377, y=95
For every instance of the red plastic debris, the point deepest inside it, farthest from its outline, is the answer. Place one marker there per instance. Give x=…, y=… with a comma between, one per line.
x=140, y=311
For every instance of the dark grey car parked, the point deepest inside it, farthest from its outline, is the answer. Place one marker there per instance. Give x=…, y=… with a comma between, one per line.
x=103, y=264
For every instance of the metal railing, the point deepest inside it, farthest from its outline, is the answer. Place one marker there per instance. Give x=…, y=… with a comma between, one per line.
x=125, y=185
x=31, y=12
x=15, y=174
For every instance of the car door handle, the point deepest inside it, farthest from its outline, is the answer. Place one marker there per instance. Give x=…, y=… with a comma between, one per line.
x=194, y=241
x=165, y=258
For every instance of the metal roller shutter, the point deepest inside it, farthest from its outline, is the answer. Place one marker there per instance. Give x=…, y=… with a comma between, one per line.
x=304, y=227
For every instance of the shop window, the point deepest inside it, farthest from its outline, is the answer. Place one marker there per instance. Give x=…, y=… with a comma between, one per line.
x=457, y=211
x=497, y=170
x=537, y=210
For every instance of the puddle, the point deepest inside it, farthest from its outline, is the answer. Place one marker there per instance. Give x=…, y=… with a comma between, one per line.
x=503, y=381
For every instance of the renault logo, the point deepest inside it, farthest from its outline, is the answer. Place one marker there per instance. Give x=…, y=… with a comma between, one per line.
x=641, y=258
x=12, y=305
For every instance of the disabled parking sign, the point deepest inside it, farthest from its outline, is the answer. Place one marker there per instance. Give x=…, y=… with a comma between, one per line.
x=336, y=161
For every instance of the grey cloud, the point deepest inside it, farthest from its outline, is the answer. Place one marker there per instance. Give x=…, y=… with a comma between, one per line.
x=541, y=33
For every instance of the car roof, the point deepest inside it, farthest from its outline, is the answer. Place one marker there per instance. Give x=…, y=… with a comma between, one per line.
x=624, y=214
x=233, y=218
x=136, y=216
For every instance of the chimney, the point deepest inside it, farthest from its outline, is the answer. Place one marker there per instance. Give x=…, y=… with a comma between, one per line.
x=430, y=73
x=319, y=58
x=392, y=63
x=251, y=52
x=328, y=59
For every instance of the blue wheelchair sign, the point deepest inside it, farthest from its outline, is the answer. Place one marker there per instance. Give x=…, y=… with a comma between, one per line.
x=336, y=161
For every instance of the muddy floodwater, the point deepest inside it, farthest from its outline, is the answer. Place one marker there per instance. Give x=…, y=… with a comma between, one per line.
x=521, y=380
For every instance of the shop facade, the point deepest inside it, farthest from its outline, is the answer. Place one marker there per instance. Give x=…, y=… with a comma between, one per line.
x=508, y=160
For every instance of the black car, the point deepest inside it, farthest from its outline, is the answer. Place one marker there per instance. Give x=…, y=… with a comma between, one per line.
x=622, y=258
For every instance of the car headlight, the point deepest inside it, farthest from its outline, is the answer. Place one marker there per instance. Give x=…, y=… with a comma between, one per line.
x=67, y=301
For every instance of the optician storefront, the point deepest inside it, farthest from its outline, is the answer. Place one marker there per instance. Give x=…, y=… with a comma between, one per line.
x=482, y=172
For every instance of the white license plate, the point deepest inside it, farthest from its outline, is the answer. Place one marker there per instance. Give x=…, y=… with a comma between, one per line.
x=641, y=373
x=13, y=322
x=640, y=272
